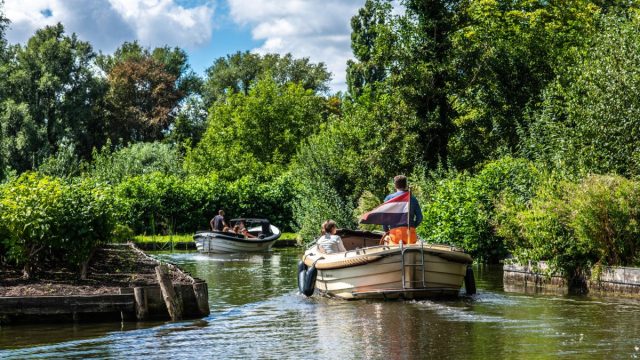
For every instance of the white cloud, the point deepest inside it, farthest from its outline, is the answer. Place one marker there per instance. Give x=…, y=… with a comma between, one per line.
x=320, y=30
x=107, y=23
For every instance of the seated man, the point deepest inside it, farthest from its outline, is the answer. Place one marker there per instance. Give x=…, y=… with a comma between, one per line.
x=329, y=242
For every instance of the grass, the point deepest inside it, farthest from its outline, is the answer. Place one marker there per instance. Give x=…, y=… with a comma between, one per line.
x=189, y=238
x=163, y=238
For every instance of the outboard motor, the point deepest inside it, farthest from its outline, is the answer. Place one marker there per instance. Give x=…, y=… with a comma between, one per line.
x=266, y=228
x=469, y=281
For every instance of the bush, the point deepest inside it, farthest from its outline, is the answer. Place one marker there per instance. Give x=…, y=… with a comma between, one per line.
x=167, y=204
x=44, y=219
x=459, y=208
x=135, y=159
x=574, y=226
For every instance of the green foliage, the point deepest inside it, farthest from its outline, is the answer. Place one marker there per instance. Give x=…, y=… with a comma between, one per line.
x=42, y=215
x=459, y=208
x=574, y=226
x=366, y=203
x=65, y=163
x=135, y=159
x=590, y=119
x=239, y=72
x=159, y=203
x=256, y=134
x=51, y=92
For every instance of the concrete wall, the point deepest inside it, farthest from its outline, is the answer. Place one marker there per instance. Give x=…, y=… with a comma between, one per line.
x=605, y=280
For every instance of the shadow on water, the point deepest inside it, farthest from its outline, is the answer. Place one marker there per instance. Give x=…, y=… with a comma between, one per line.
x=257, y=313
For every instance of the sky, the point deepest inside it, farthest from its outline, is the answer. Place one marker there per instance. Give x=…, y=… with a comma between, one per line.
x=205, y=29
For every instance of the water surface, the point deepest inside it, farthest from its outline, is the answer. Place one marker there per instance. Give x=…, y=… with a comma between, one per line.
x=257, y=313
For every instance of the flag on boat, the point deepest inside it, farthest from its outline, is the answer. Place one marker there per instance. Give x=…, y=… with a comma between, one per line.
x=393, y=211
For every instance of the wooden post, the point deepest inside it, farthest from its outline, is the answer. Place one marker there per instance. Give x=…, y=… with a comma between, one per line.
x=142, y=307
x=168, y=293
x=202, y=297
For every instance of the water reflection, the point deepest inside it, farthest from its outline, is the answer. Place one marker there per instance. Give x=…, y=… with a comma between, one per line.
x=256, y=313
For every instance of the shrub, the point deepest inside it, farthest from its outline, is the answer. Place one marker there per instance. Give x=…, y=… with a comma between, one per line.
x=574, y=226
x=135, y=159
x=163, y=204
x=45, y=219
x=459, y=208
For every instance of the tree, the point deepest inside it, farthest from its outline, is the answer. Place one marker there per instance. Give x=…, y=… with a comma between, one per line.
x=411, y=53
x=238, y=72
x=370, y=33
x=257, y=133
x=145, y=90
x=52, y=94
x=506, y=53
x=589, y=121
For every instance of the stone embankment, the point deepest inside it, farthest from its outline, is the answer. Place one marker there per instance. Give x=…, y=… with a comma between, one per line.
x=606, y=280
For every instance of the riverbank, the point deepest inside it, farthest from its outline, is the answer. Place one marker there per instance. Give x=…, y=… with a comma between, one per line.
x=185, y=242
x=605, y=280
x=122, y=283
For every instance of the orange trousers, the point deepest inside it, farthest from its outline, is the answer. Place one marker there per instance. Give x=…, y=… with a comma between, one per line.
x=400, y=234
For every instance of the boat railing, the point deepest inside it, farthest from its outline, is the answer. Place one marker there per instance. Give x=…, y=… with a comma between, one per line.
x=409, y=284
x=365, y=249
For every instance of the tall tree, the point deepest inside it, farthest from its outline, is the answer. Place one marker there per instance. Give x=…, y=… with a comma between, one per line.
x=238, y=72
x=257, y=133
x=51, y=95
x=411, y=54
x=371, y=35
x=145, y=90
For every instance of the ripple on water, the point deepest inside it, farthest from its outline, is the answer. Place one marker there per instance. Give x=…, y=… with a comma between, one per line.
x=256, y=313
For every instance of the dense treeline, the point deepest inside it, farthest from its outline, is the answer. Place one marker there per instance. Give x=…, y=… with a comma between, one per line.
x=517, y=122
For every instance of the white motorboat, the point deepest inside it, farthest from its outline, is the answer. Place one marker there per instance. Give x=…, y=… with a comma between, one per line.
x=263, y=236
x=371, y=270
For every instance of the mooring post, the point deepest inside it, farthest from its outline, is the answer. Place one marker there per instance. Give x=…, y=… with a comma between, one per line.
x=202, y=297
x=168, y=293
x=142, y=307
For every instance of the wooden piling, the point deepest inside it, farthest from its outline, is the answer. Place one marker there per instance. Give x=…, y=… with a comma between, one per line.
x=171, y=300
x=142, y=306
x=202, y=297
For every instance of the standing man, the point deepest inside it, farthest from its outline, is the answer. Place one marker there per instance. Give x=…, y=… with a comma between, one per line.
x=398, y=232
x=218, y=223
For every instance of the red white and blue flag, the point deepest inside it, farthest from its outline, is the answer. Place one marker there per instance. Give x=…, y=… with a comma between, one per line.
x=392, y=212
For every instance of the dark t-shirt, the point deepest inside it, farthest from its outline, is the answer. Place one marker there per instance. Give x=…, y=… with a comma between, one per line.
x=218, y=223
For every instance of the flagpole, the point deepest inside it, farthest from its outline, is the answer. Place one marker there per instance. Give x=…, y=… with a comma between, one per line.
x=409, y=217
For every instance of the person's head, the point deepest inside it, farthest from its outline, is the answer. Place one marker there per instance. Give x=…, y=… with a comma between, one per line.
x=236, y=228
x=400, y=182
x=221, y=212
x=329, y=227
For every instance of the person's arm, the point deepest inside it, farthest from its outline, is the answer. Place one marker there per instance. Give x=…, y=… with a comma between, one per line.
x=211, y=224
x=340, y=245
x=417, y=213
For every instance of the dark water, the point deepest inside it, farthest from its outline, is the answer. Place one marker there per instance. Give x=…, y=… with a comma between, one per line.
x=256, y=313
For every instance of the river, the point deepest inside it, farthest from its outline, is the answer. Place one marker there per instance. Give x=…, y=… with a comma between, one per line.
x=257, y=313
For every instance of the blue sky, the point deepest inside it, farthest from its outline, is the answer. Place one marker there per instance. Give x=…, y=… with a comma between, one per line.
x=206, y=29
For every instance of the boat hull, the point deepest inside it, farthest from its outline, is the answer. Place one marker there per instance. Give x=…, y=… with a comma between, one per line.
x=217, y=243
x=378, y=272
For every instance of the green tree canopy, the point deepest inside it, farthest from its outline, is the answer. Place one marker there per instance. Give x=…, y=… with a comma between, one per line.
x=238, y=72
x=145, y=90
x=51, y=95
x=257, y=133
x=590, y=119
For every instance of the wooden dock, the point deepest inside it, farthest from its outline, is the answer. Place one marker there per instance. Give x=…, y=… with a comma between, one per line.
x=164, y=300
